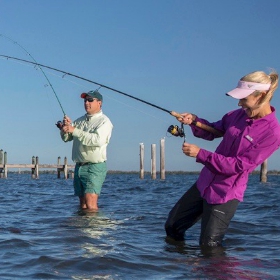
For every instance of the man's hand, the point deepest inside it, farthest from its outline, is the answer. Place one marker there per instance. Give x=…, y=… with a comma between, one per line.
x=67, y=125
x=68, y=128
x=67, y=120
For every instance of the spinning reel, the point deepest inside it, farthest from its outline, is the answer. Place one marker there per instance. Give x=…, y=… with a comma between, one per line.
x=175, y=130
x=59, y=124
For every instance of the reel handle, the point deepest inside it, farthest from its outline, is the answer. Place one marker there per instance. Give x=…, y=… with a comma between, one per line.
x=200, y=125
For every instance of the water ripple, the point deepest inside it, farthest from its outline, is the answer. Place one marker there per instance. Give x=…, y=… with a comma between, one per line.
x=43, y=234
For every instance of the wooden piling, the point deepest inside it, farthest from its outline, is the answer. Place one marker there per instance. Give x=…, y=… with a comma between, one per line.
x=142, y=161
x=162, y=159
x=37, y=167
x=1, y=162
x=263, y=172
x=58, y=169
x=5, y=165
x=65, y=168
x=33, y=161
x=153, y=162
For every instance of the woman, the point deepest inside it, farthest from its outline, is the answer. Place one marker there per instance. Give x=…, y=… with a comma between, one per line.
x=251, y=135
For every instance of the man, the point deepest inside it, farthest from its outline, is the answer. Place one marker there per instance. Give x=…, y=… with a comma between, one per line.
x=90, y=134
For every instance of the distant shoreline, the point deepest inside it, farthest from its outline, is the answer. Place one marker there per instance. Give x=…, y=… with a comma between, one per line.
x=270, y=172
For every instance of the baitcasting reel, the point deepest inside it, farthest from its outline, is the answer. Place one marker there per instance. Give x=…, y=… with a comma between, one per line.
x=175, y=130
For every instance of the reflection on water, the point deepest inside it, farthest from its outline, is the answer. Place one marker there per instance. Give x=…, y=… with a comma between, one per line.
x=231, y=268
x=94, y=227
x=214, y=262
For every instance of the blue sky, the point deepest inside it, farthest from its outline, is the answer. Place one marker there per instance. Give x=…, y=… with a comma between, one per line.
x=181, y=55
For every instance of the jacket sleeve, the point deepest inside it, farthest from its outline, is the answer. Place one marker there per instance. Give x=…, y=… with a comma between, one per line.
x=66, y=137
x=248, y=160
x=206, y=135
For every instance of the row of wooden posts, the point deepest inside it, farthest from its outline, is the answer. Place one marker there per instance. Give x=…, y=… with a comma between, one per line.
x=263, y=170
x=153, y=160
x=35, y=166
x=65, y=168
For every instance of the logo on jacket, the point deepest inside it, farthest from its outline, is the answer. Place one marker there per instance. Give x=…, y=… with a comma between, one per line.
x=248, y=137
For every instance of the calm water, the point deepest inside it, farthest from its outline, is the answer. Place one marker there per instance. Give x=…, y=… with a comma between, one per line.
x=43, y=235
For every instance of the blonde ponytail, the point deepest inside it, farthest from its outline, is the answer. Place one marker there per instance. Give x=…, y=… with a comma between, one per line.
x=262, y=77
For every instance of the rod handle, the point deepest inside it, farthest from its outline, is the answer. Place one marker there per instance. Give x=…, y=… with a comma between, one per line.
x=208, y=128
x=175, y=114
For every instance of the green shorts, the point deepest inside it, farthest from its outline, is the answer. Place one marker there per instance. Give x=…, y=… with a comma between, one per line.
x=89, y=178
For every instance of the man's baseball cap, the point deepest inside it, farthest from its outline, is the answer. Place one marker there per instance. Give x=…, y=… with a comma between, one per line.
x=93, y=94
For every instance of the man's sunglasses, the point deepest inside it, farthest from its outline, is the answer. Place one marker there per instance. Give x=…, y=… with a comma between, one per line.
x=89, y=99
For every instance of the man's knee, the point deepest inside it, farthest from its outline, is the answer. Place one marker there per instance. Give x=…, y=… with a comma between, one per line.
x=91, y=200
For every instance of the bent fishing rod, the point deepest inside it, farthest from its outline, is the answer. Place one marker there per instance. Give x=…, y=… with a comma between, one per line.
x=16, y=43
x=173, y=113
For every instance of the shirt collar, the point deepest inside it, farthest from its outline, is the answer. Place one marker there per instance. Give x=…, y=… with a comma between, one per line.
x=94, y=116
x=266, y=118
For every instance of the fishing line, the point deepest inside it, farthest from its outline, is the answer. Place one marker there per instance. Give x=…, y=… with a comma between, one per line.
x=87, y=80
x=38, y=65
x=83, y=87
x=173, y=113
x=109, y=97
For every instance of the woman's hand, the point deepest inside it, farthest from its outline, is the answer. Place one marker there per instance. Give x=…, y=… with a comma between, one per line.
x=186, y=118
x=190, y=150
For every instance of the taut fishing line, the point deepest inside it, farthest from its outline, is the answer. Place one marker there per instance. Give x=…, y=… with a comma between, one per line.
x=83, y=87
x=38, y=65
x=90, y=81
x=173, y=113
x=109, y=97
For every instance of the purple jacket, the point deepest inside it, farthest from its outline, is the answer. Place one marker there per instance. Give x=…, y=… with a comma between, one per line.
x=245, y=145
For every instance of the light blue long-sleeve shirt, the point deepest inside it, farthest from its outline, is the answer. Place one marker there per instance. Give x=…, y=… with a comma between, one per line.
x=90, y=138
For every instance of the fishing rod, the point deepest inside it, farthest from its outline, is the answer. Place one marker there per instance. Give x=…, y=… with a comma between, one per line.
x=35, y=62
x=173, y=113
